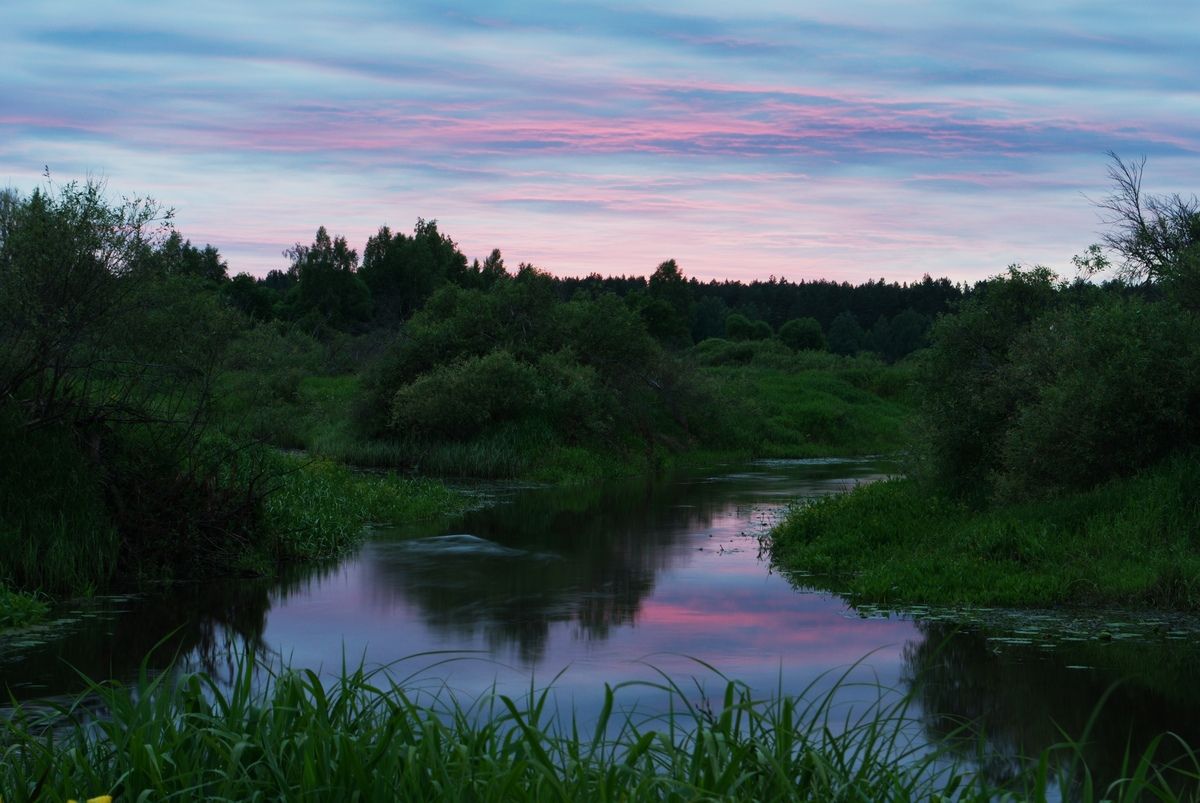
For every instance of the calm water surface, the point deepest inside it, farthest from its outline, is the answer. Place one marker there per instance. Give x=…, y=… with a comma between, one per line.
x=605, y=583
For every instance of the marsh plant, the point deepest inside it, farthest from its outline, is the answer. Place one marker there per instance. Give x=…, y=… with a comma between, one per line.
x=292, y=734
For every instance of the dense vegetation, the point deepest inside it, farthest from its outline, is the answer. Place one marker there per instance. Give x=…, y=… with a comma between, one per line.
x=147, y=399
x=144, y=393
x=114, y=337
x=1057, y=437
x=364, y=736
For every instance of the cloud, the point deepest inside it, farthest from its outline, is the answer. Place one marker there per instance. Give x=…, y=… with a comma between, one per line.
x=747, y=140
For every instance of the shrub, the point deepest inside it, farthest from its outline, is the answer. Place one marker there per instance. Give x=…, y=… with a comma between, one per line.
x=802, y=334
x=966, y=401
x=459, y=400
x=1104, y=391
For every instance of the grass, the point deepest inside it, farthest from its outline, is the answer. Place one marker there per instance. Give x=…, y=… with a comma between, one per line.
x=367, y=736
x=796, y=405
x=18, y=609
x=817, y=413
x=55, y=532
x=1131, y=542
x=319, y=508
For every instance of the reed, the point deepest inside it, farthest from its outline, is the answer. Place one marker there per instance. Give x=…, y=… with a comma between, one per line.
x=368, y=735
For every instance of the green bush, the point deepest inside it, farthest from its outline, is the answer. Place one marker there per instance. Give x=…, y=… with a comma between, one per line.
x=1104, y=391
x=1037, y=387
x=802, y=334
x=967, y=403
x=457, y=401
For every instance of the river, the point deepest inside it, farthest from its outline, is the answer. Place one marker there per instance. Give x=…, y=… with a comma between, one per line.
x=618, y=581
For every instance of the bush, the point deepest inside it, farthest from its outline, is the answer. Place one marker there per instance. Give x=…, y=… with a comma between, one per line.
x=739, y=327
x=1035, y=388
x=967, y=403
x=802, y=334
x=1103, y=392
x=715, y=351
x=458, y=401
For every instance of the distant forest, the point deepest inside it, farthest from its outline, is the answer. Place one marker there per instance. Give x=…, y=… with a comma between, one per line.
x=328, y=287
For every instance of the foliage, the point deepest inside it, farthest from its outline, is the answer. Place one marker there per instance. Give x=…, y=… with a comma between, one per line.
x=327, y=290
x=966, y=403
x=1102, y=391
x=368, y=736
x=846, y=336
x=404, y=271
x=458, y=401
x=67, y=262
x=898, y=337
x=1126, y=543
x=669, y=307
x=1156, y=236
x=739, y=327
x=472, y=360
x=802, y=334
x=1036, y=387
x=176, y=256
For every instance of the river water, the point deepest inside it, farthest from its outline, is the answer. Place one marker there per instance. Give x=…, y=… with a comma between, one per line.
x=621, y=580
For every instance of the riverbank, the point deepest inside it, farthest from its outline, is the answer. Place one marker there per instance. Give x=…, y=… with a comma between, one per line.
x=308, y=510
x=363, y=735
x=1129, y=542
x=776, y=403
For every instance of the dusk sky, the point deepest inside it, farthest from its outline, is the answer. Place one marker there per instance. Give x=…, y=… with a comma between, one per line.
x=846, y=140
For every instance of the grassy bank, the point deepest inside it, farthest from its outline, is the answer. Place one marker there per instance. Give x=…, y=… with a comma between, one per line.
x=319, y=508
x=770, y=402
x=18, y=609
x=68, y=528
x=814, y=413
x=1129, y=542
x=366, y=737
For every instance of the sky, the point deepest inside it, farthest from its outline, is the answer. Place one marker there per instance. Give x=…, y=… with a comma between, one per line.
x=845, y=140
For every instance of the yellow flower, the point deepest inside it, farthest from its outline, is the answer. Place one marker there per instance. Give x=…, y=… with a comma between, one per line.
x=101, y=799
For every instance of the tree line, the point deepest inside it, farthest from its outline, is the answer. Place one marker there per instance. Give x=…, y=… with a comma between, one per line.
x=325, y=286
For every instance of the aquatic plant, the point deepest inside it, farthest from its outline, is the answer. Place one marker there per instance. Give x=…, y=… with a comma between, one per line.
x=369, y=735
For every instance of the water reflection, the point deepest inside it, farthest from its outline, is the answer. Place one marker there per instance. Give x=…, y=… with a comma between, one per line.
x=1023, y=699
x=605, y=579
x=112, y=637
x=585, y=556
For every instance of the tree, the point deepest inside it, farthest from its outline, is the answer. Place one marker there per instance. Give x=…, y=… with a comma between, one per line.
x=899, y=336
x=250, y=296
x=1156, y=236
x=845, y=334
x=403, y=271
x=69, y=262
x=739, y=327
x=967, y=400
x=668, y=313
x=327, y=290
x=708, y=319
x=492, y=270
x=802, y=334
x=178, y=257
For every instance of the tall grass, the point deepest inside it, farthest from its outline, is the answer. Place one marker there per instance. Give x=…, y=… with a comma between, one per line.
x=1129, y=542
x=18, y=609
x=814, y=413
x=318, y=509
x=367, y=736
x=55, y=531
